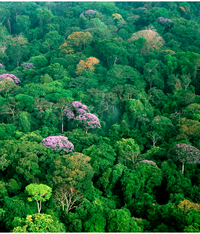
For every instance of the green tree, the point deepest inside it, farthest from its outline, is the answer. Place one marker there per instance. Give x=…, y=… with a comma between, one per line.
x=15, y=207
x=120, y=75
x=72, y=169
x=56, y=71
x=7, y=87
x=120, y=220
x=111, y=51
x=24, y=123
x=38, y=61
x=139, y=183
x=127, y=151
x=52, y=40
x=81, y=139
x=23, y=24
x=24, y=102
x=18, y=50
x=37, y=223
x=39, y=192
x=102, y=157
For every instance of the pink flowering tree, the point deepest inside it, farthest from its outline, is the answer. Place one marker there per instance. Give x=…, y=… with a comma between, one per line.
x=141, y=8
x=88, y=12
x=28, y=65
x=164, y=21
x=78, y=113
x=148, y=162
x=184, y=154
x=58, y=143
x=75, y=109
x=88, y=121
x=11, y=77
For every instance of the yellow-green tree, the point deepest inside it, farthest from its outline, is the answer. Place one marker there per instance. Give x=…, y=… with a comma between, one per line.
x=39, y=193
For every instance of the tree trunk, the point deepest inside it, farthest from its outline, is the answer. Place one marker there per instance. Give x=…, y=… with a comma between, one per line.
x=183, y=167
x=62, y=125
x=38, y=206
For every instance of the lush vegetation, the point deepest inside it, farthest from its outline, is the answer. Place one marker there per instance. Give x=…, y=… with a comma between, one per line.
x=99, y=117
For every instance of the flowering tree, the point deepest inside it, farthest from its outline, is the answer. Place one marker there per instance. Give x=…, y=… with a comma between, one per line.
x=153, y=40
x=184, y=154
x=76, y=42
x=182, y=8
x=141, y=8
x=11, y=77
x=89, y=121
x=77, y=112
x=148, y=162
x=58, y=143
x=28, y=65
x=88, y=65
x=164, y=21
x=75, y=109
x=188, y=205
x=88, y=12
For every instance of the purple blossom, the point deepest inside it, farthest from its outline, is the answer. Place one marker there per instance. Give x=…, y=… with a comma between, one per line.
x=76, y=105
x=164, y=21
x=1, y=66
x=185, y=154
x=58, y=143
x=89, y=121
x=84, y=107
x=88, y=12
x=11, y=76
x=148, y=161
x=141, y=8
x=81, y=111
x=77, y=112
x=28, y=65
x=68, y=112
x=87, y=29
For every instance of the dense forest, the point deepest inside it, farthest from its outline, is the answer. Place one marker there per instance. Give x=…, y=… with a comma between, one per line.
x=99, y=117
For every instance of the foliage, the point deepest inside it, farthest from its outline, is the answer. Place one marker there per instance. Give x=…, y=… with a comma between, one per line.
x=127, y=151
x=89, y=64
x=100, y=106
x=9, y=76
x=72, y=169
x=185, y=154
x=39, y=192
x=153, y=40
x=120, y=221
x=37, y=223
